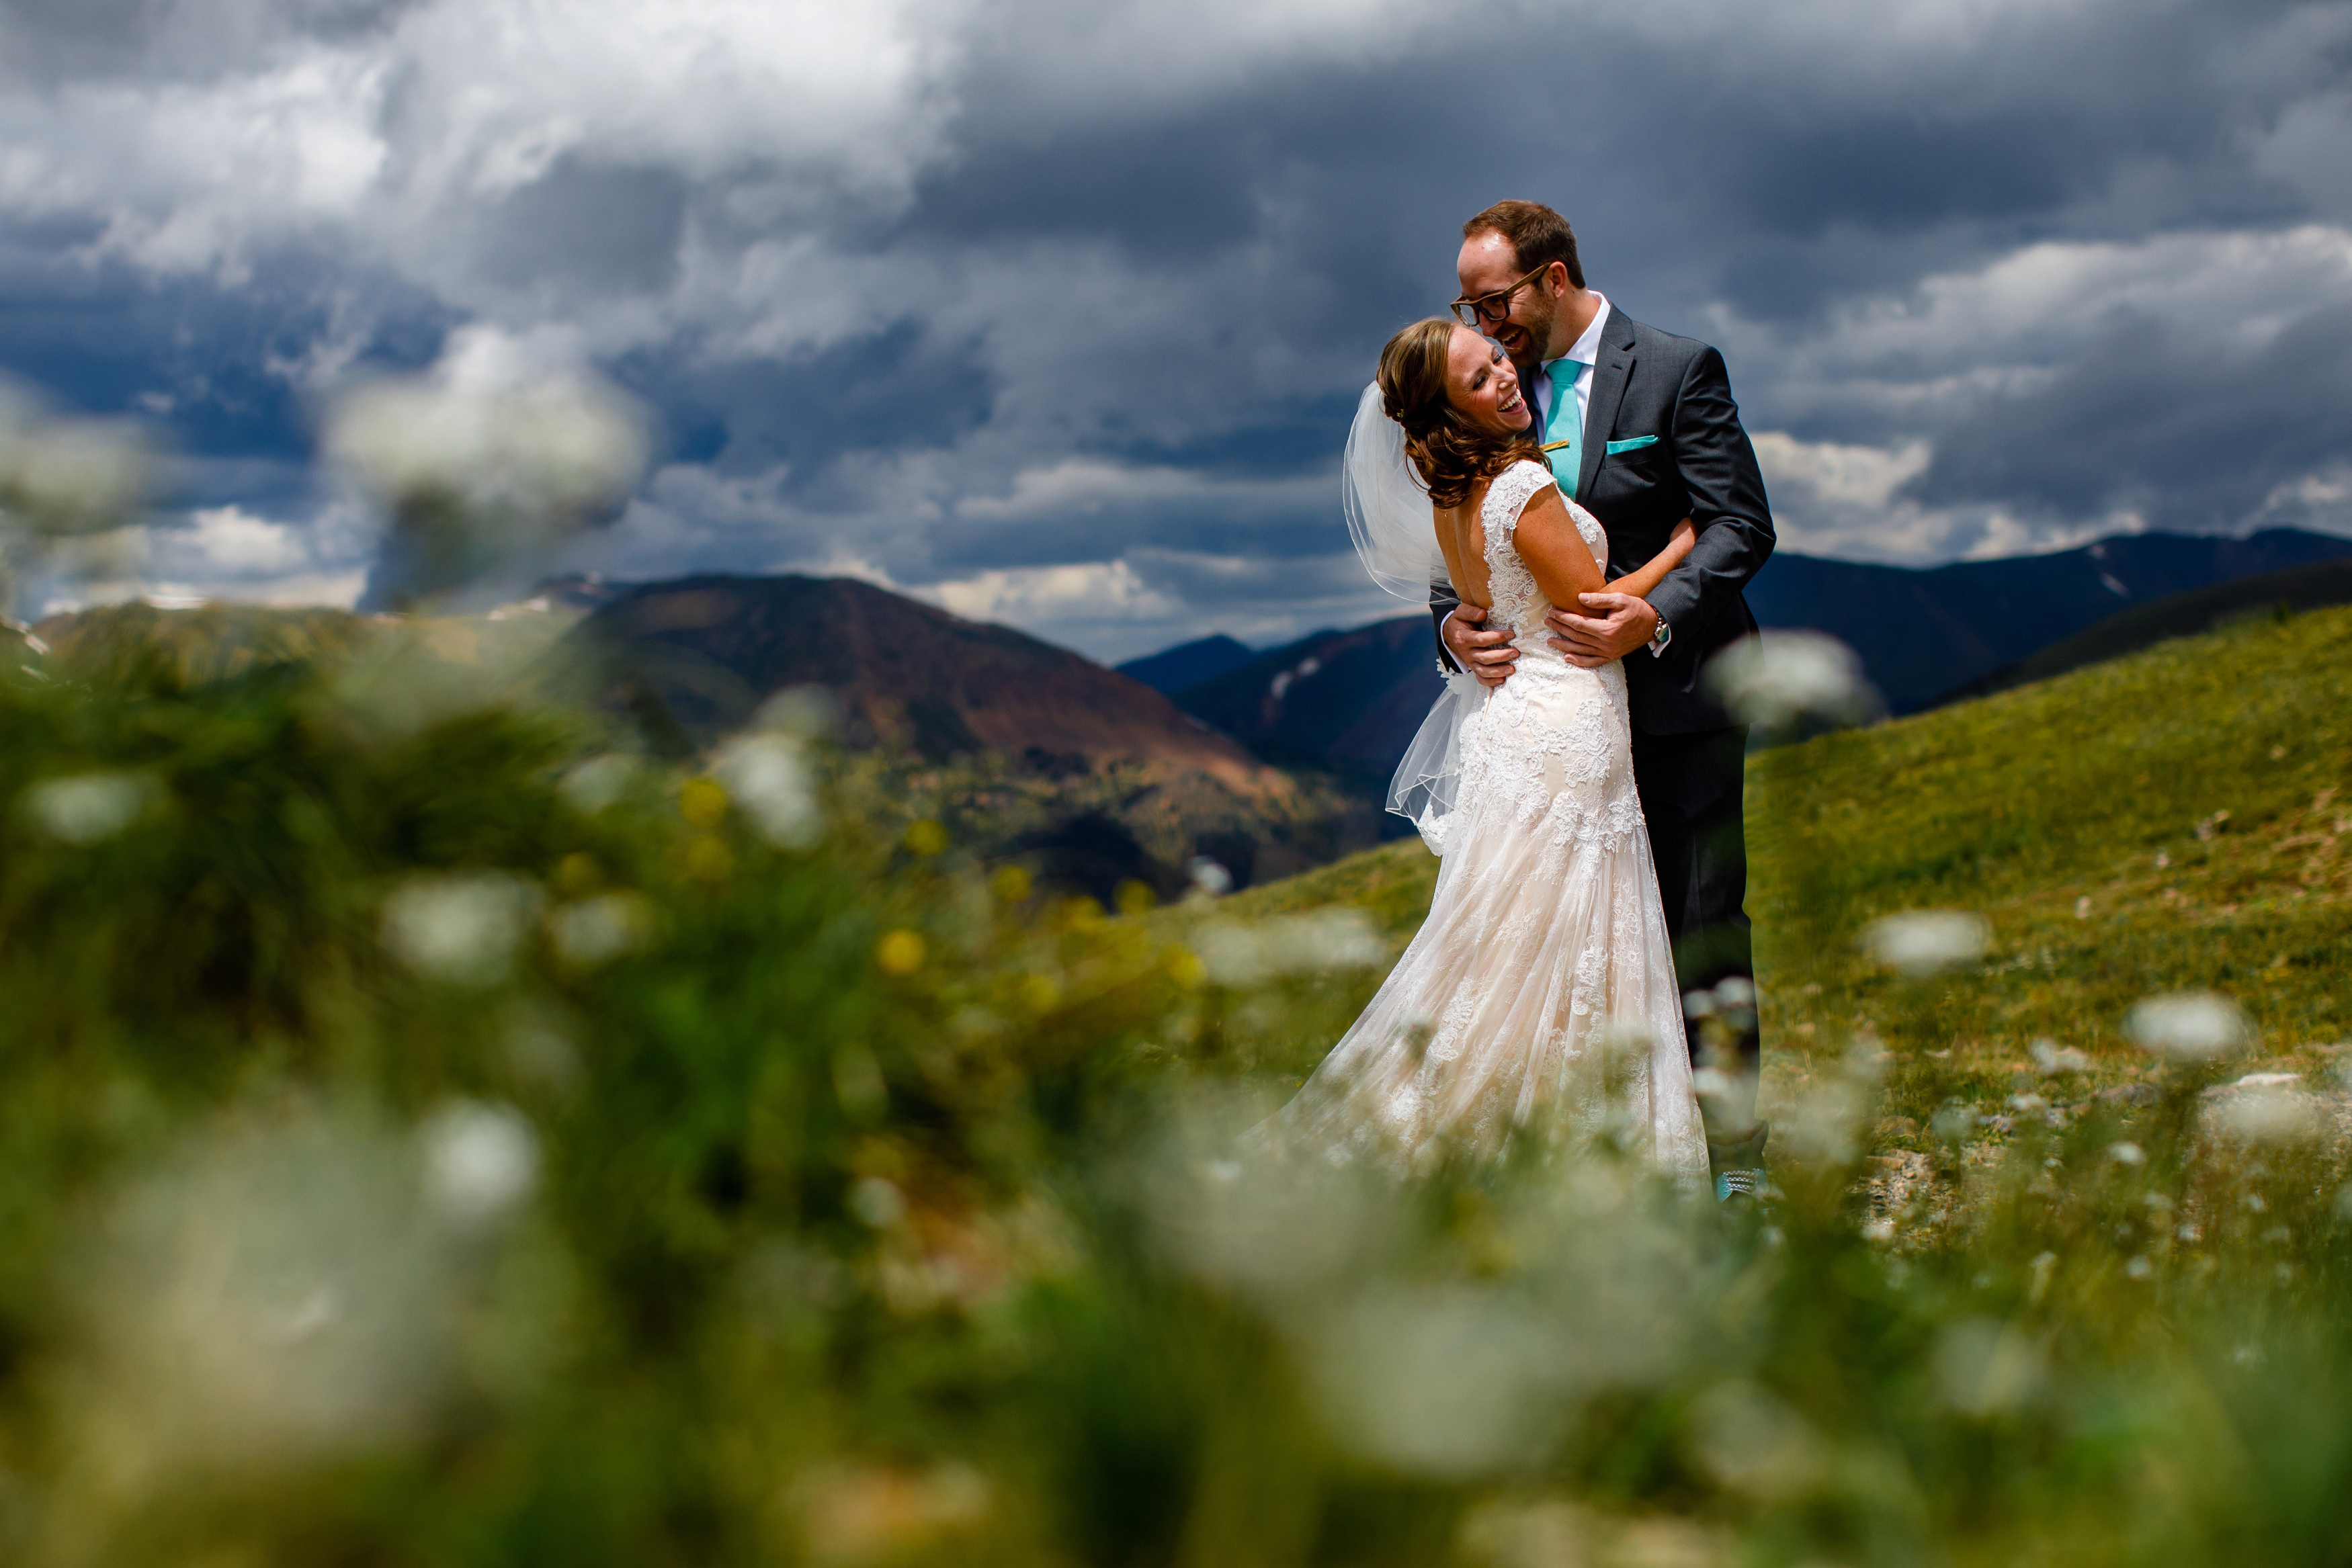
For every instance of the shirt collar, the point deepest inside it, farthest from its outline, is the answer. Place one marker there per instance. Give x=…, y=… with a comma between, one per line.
x=1586, y=350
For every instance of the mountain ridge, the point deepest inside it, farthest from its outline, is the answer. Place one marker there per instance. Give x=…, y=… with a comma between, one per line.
x=1347, y=701
x=2316, y=586
x=1924, y=631
x=1188, y=663
x=905, y=671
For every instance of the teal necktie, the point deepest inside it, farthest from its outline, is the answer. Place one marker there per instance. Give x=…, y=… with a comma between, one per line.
x=1562, y=424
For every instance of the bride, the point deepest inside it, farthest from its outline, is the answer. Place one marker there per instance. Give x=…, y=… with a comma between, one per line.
x=1541, y=988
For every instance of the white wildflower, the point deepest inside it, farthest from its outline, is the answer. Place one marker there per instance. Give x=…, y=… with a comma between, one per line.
x=494, y=435
x=878, y=1202
x=267, y=1296
x=1753, y=1442
x=1824, y=1121
x=598, y=930
x=1208, y=878
x=1924, y=942
x=2052, y=1057
x=2190, y=1025
x=598, y=784
x=86, y=808
x=805, y=712
x=1439, y=1383
x=767, y=775
x=2266, y=1108
x=1780, y=678
x=461, y=928
x=1270, y=1229
x=481, y=1162
x=1289, y=945
x=60, y=476
x=1983, y=1367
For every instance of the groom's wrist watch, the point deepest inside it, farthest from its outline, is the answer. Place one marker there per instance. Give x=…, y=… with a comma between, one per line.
x=1660, y=638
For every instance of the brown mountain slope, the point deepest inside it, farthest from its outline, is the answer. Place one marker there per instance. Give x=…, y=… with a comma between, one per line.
x=690, y=659
x=713, y=647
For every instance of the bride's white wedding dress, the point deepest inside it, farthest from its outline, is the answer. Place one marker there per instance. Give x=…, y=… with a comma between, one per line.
x=1541, y=988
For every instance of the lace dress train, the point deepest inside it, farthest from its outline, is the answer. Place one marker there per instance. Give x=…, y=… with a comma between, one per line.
x=1542, y=985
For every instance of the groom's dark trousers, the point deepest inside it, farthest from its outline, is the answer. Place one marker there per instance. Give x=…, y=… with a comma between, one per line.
x=1688, y=752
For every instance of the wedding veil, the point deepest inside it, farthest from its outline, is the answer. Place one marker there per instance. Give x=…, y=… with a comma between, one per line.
x=1389, y=514
x=1395, y=533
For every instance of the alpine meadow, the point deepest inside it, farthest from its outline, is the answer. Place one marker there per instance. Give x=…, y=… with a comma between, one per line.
x=438, y=1133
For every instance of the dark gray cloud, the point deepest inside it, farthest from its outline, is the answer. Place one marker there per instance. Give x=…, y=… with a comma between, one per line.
x=49, y=41
x=1057, y=311
x=2195, y=439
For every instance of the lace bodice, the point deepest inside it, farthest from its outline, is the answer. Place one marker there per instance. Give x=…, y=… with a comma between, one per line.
x=1519, y=603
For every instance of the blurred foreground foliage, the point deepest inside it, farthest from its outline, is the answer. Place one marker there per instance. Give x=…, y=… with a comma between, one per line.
x=429, y=1136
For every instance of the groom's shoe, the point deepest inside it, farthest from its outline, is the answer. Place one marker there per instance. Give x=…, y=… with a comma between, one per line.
x=1738, y=1162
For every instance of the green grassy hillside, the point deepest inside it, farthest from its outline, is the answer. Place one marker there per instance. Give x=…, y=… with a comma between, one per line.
x=2178, y=821
x=2312, y=586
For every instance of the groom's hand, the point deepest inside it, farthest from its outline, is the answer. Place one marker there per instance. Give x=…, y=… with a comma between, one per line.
x=1486, y=654
x=1612, y=625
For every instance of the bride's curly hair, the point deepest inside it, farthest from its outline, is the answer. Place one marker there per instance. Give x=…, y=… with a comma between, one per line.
x=1452, y=454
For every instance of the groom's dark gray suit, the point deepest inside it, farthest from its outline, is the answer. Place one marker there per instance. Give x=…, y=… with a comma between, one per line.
x=1688, y=752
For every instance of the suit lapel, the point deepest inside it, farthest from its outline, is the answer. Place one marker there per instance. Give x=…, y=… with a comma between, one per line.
x=1609, y=377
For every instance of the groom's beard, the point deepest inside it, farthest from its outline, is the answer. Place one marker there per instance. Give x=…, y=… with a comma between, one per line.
x=1528, y=337
x=1530, y=343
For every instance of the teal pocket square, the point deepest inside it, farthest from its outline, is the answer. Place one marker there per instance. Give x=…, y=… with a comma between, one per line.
x=1633, y=445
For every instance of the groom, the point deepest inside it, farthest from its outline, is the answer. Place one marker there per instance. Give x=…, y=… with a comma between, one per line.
x=1642, y=430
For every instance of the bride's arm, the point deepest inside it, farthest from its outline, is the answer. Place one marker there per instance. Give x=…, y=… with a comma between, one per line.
x=1564, y=564
x=1555, y=552
x=1653, y=572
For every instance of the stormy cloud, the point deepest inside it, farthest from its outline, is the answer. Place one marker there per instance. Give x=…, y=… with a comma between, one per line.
x=1054, y=313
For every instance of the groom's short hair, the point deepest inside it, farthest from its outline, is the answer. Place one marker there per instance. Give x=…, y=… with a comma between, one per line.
x=1539, y=235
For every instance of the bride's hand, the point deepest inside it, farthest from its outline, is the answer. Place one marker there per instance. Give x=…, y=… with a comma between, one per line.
x=1486, y=654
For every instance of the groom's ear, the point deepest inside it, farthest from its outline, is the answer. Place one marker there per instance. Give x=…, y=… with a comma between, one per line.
x=1555, y=280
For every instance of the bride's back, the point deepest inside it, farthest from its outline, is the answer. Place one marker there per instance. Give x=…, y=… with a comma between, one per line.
x=1479, y=541
x=1461, y=540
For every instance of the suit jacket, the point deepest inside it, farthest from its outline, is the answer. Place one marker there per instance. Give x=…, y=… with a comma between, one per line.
x=1701, y=467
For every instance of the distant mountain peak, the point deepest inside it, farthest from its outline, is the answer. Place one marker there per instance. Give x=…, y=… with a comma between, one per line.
x=1188, y=663
x=711, y=647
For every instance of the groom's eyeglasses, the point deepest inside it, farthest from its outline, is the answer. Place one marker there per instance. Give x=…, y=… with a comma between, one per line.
x=1493, y=307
